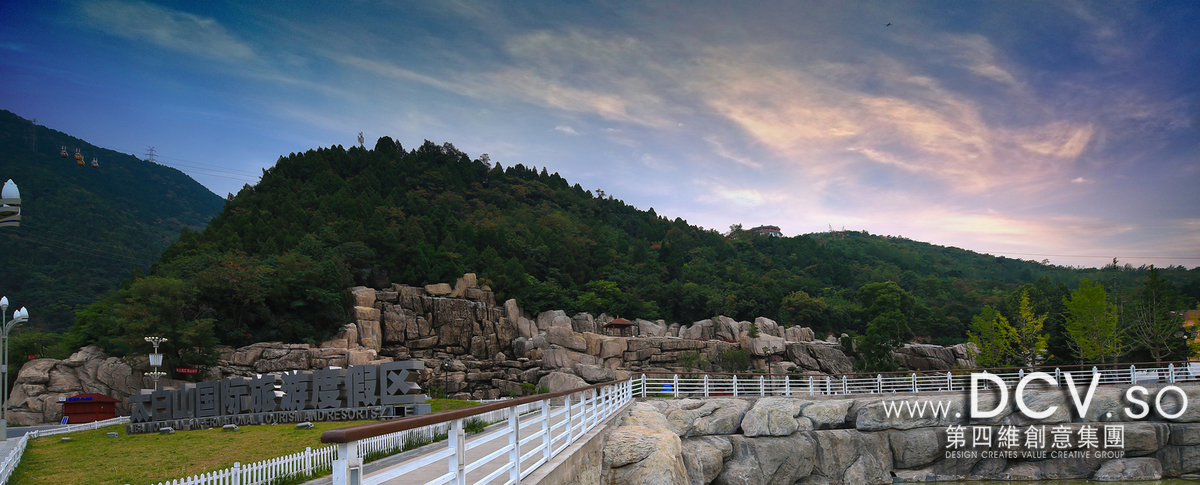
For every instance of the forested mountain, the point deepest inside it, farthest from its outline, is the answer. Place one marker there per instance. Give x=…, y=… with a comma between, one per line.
x=274, y=264
x=84, y=229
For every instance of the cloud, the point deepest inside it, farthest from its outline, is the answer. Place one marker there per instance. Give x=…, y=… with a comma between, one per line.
x=166, y=28
x=718, y=193
x=720, y=150
x=831, y=115
x=566, y=129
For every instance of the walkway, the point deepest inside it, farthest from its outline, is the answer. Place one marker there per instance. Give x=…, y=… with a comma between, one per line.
x=439, y=468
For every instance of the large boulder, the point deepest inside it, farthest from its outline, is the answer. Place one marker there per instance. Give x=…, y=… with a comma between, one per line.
x=727, y=328
x=704, y=457
x=553, y=318
x=565, y=337
x=467, y=280
x=370, y=335
x=764, y=344
x=695, y=417
x=583, y=323
x=768, y=460
x=561, y=381
x=775, y=416
x=916, y=448
x=40, y=383
x=647, y=328
x=363, y=296
x=768, y=327
x=643, y=450
x=560, y=358
x=702, y=330
x=848, y=456
x=1129, y=470
x=829, y=357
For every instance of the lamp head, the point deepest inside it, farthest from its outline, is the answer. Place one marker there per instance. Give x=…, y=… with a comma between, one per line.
x=3, y=303
x=10, y=190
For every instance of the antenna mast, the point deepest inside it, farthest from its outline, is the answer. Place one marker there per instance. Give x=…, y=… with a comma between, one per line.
x=151, y=156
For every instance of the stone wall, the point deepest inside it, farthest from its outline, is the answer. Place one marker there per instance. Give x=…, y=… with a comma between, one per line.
x=856, y=440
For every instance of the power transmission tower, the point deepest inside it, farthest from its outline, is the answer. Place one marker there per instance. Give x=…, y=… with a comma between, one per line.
x=151, y=156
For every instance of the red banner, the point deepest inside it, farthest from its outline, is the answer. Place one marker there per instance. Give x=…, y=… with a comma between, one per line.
x=187, y=370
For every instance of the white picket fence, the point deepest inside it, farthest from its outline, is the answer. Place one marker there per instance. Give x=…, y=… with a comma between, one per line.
x=310, y=460
x=13, y=459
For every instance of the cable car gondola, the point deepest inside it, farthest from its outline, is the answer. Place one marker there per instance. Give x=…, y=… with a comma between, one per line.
x=78, y=157
x=95, y=164
x=64, y=152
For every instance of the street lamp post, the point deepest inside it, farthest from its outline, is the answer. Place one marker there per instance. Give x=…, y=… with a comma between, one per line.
x=19, y=317
x=156, y=359
x=10, y=205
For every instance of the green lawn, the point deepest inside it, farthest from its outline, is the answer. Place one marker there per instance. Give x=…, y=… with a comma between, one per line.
x=93, y=458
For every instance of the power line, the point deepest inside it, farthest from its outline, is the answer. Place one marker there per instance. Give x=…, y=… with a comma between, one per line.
x=85, y=249
x=37, y=229
x=76, y=249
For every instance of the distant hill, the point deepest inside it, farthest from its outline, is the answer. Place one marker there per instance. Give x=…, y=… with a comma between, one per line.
x=274, y=264
x=84, y=229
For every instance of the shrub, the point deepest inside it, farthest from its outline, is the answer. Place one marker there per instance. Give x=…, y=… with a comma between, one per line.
x=692, y=360
x=734, y=360
x=474, y=425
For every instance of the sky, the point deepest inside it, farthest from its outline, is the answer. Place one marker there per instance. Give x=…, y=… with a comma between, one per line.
x=1061, y=131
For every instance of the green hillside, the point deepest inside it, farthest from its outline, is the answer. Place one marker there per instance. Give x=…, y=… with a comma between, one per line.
x=275, y=263
x=84, y=229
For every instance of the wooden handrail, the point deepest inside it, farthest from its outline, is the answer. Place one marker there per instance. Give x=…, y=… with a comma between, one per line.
x=370, y=430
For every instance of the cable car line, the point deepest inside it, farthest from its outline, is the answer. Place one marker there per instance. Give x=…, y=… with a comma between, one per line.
x=53, y=244
x=37, y=230
x=84, y=249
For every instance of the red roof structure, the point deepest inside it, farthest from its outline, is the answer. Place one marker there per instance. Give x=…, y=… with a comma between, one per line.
x=619, y=327
x=86, y=408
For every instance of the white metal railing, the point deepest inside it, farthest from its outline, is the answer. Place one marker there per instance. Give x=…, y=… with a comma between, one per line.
x=395, y=441
x=524, y=444
x=13, y=459
x=71, y=428
x=750, y=385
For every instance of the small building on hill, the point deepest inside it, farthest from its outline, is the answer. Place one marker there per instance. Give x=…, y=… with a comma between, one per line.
x=767, y=231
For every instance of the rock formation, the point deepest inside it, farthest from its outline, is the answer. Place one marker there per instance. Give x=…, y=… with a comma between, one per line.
x=42, y=382
x=855, y=440
x=474, y=348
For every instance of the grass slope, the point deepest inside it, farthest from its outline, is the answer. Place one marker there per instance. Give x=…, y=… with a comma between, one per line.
x=93, y=457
